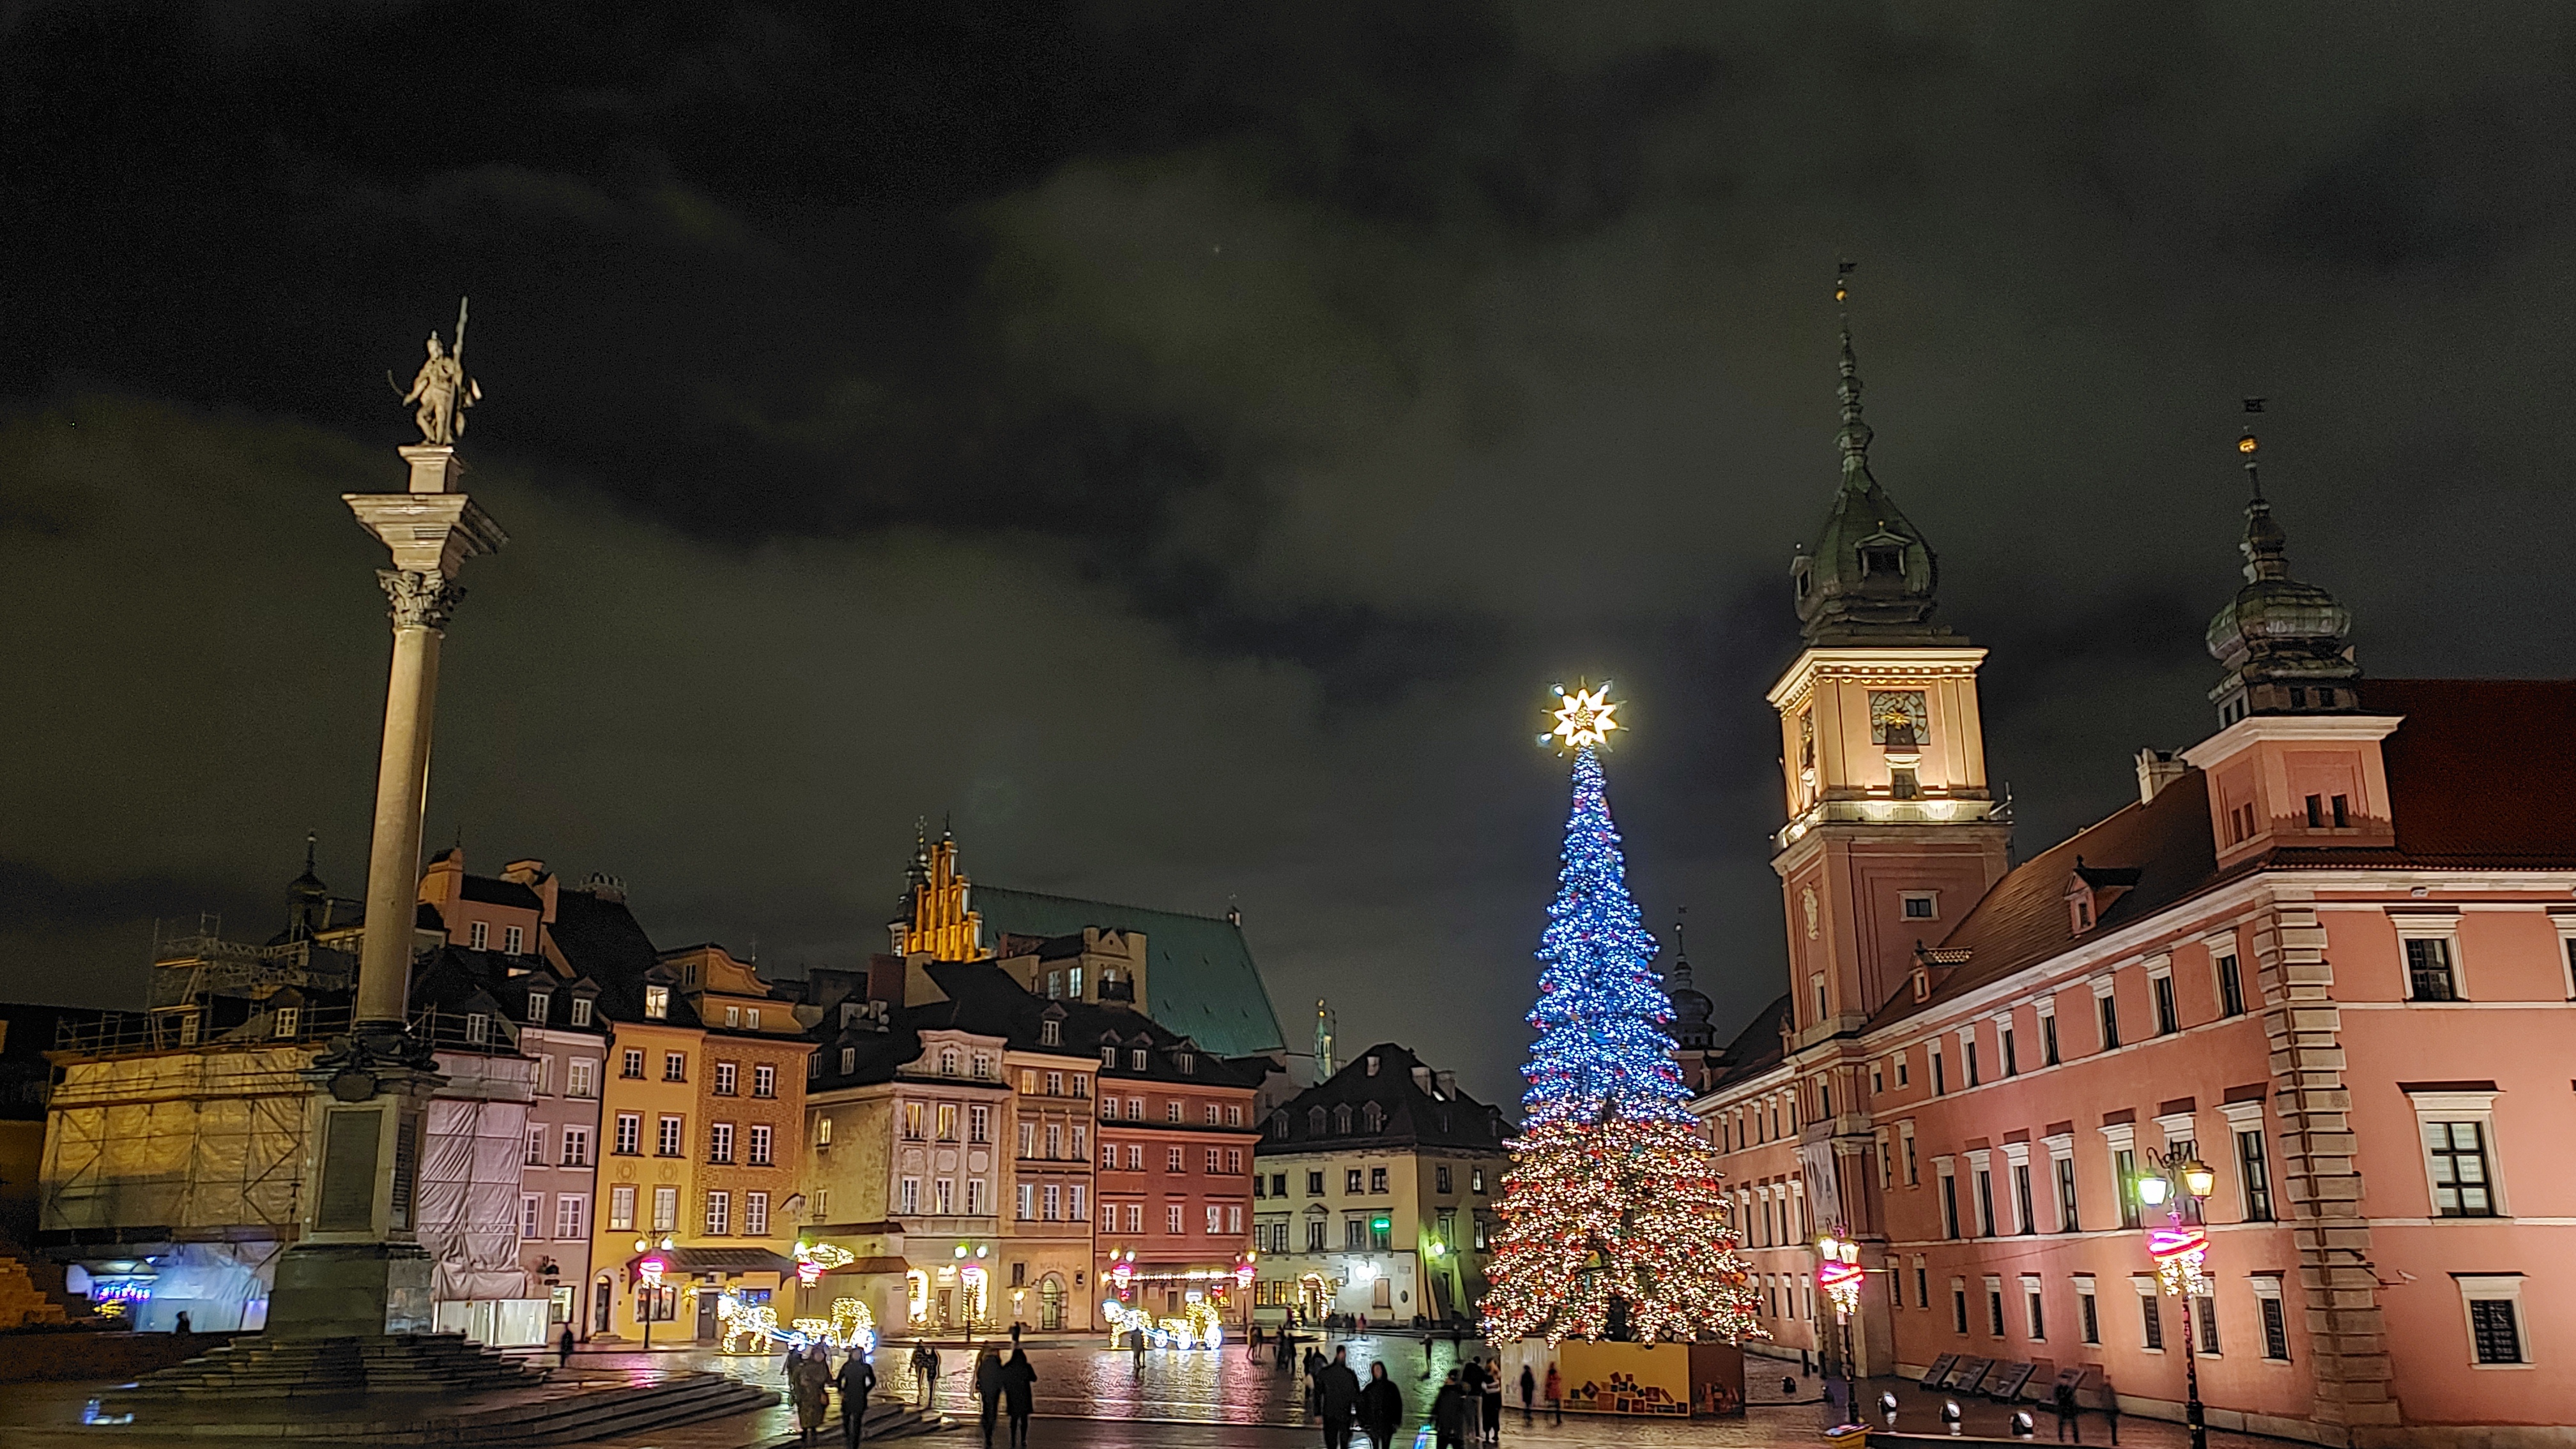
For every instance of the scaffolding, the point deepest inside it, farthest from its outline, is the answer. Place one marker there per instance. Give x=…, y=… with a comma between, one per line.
x=205, y=1144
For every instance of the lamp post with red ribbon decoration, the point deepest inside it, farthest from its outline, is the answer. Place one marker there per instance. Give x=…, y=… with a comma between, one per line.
x=1838, y=1277
x=2179, y=1250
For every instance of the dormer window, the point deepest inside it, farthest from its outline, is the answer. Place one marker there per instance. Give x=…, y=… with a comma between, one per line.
x=1136, y=1060
x=1050, y=1033
x=1185, y=1063
x=539, y=1005
x=1342, y=1120
x=286, y=1021
x=1278, y=1126
x=581, y=1011
x=478, y=1028
x=948, y=1061
x=1374, y=1116
x=1882, y=560
x=1109, y=1056
x=1314, y=1121
x=657, y=1003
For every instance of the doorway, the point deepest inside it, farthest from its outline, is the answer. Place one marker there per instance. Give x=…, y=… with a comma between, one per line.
x=1051, y=1304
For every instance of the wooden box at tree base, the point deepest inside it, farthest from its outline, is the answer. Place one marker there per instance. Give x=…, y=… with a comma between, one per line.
x=1669, y=1380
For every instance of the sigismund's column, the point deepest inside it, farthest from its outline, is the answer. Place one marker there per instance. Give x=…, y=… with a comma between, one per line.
x=357, y=1268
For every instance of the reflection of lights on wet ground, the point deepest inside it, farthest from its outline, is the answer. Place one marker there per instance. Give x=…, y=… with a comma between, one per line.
x=94, y=1414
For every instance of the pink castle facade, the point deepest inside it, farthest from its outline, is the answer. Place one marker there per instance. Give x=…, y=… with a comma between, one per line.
x=2330, y=952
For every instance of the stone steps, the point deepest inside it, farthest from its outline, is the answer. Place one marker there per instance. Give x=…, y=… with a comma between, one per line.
x=24, y=1300
x=266, y=1368
x=582, y=1412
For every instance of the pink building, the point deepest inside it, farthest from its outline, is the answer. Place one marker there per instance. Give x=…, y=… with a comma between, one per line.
x=2330, y=951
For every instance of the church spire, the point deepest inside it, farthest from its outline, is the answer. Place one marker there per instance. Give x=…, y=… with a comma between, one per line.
x=1855, y=434
x=2280, y=641
x=1870, y=576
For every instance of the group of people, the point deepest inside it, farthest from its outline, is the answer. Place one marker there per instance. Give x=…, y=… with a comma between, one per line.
x=1006, y=1386
x=1466, y=1410
x=810, y=1382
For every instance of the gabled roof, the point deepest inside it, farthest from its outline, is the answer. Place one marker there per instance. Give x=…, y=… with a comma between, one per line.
x=987, y=1000
x=1756, y=1049
x=1410, y=1116
x=491, y=890
x=1201, y=979
x=601, y=939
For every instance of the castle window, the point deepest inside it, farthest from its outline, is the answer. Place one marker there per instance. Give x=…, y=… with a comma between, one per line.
x=1882, y=560
x=2342, y=812
x=1902, y=784
x=1920, y=905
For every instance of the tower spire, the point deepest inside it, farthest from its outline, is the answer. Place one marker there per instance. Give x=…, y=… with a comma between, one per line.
x=2279, y=641
x=1855, y=434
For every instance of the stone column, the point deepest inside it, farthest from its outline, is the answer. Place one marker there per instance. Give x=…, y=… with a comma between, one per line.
x=357, y=1268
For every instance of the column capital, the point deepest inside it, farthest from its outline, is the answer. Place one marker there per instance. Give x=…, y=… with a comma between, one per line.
x=420, y=600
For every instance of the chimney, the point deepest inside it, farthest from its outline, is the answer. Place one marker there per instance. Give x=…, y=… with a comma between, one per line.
x=1372, y=1064
x=2156, y=770
x=1445, y=1083
x=523, y=872
x=1422, y=1079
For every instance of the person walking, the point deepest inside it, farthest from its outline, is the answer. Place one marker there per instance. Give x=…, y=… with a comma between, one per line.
x=988, y=1387
x=1555, y=1394
x=1381, y=1407
x=1493, y=1401
x=1018, y=1380
x=1337, y=1397
x=2069, y=1417
x=1449, y=1413
x=927, y=1369
x=1471, y=1382
x=858, y=1379
x=563, y=1348
x=1529, y=1391
x=809, y=1387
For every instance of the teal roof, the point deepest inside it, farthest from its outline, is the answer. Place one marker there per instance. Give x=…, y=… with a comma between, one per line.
x=1200, y=978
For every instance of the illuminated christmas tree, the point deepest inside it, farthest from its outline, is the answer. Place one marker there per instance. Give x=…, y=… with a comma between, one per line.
x=1613, y=1221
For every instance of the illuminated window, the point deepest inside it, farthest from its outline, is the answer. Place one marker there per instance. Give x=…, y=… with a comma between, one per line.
x=657, y=1003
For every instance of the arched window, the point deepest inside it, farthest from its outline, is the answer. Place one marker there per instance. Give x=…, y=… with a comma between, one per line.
x=948, y=1061
x=1342, y=1119
x=1374, y=1117
x=1279, y=1126
x=1314, y=1121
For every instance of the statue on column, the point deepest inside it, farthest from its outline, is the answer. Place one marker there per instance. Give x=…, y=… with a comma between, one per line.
x=442, y=390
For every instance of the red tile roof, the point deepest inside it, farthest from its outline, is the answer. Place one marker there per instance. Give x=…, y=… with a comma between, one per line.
x=2477, y=778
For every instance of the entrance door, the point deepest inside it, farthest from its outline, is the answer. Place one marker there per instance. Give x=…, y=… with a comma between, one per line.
x=707, y=1314
x=1051, y=1303
x=599, y=1308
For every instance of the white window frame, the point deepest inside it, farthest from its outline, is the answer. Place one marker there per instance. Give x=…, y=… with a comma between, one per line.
x=2267, y=1287
x=572, y=1216
x=513, y=939
x=532, y=1210
x=621, y=1207
x=2565, y=921
x=2160, y=968
x=2478, y=1107
x=2443, y=928
x=2153, y=1299
x=2180, y=1127
x=755, y=1214
x=2016, y=1165
x=1995, y=1325
x=2032, y=1289
x=2061, y=1148
x=2492, y=1288
x=1934, y=897
x=1913, y=1159
x=2085, y=1292
x=478, y=936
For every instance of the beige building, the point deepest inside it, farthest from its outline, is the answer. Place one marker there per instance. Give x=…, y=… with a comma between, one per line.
x=1374, y=1193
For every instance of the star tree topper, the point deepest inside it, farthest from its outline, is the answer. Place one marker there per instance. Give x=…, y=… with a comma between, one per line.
x=1584, y=718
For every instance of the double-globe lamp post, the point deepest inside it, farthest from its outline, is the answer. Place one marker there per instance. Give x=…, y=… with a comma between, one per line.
x=1838, y=1276
x=650, y=1271
x=2179, y=1182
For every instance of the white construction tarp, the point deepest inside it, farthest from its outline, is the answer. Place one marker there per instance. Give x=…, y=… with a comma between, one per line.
x=469, y=1179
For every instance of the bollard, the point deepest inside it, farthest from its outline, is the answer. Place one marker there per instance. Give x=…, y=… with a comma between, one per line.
x=1950, y=1415
x=2023, y=1425
x=1887, y=1406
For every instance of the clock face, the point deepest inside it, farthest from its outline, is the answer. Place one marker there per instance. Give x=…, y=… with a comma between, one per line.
x=1897, y=716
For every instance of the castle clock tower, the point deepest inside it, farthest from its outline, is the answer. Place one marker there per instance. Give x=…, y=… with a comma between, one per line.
x=1893, y=830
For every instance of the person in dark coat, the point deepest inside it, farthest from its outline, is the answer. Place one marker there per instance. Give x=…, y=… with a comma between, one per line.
x=858, y=1379
x=2069, y=1417
x=809, y=1386
x=1018, y=1381
x=1337, y=1397
x=563, y=1348
x=1493, y=1416
x=1449, y=1414
x=1529, y=1396
x=1381, y=1407
x=988, y=1387
x=1471, y=1383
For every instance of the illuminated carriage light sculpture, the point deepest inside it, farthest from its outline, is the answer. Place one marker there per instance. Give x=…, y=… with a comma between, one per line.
x=1199, y=1325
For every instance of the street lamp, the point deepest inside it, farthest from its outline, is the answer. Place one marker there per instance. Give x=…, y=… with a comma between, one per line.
x=2179, y=1182
x=1838, y=1276
x=650, y=1271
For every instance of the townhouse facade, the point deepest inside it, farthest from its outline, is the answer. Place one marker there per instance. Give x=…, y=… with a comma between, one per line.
x=1373, y=1195
x=2328, y=953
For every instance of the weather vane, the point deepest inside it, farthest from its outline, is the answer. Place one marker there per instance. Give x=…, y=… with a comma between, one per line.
x=1584, y=716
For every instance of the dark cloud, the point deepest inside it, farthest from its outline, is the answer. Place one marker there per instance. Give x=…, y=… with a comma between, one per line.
x=1181, y=440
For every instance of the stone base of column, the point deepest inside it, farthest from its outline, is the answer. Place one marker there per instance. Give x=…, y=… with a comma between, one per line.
x=340, y=1290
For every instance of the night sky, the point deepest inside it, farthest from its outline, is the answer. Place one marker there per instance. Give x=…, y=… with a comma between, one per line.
x=1181, y=443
